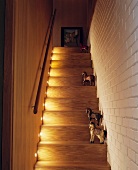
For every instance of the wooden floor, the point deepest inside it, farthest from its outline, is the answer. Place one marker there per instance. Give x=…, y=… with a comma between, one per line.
x=65, y=134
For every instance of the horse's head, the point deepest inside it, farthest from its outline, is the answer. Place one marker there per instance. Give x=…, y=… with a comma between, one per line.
x=84, y=73
x=89, y=111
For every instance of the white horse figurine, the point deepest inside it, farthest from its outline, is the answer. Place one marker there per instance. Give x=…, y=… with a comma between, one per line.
x=98, y=131
x=88, y=78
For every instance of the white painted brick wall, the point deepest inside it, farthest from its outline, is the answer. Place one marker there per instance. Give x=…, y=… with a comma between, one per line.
x=114, y=47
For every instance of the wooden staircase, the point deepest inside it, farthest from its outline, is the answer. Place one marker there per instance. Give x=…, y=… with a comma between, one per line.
x=65, y=134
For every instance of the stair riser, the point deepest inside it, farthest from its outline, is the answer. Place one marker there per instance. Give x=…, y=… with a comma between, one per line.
x=65, y=133
x=66, y=50
x=70, y=64
x=73, y=56
x=73, y=153
x=65, y=117
x=69, y=104
x=69, y=72
x=68, y=92
x=66, y=81
x=77, y=167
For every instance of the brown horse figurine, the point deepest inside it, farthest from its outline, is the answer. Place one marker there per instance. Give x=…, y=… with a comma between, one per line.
x=88, y=79
x=92, y=115
x=84, y=48
x=98, y=131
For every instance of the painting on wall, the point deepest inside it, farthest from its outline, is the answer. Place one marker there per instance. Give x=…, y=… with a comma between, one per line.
x=71, y=36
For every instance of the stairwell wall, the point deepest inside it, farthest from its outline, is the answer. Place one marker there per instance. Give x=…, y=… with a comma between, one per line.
x=114, y=47
x=26, y=27
x=70, y=13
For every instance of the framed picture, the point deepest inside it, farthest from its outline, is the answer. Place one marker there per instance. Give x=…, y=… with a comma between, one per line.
x=71, y=36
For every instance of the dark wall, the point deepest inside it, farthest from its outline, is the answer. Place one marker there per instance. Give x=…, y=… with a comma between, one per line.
x=2, y=17
x=70, y=13
x=26, y=24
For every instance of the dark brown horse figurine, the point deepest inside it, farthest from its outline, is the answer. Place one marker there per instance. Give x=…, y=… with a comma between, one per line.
x=95, y=126
x=84, y=48
x=88, y=79
x=92, y=115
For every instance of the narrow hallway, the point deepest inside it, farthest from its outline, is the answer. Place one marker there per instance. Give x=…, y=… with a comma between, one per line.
x=65, y=132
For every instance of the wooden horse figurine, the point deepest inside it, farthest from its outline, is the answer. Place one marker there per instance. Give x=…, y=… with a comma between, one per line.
x=84, y=48
x=88, y=79
x=97, y=131
x=93, y=115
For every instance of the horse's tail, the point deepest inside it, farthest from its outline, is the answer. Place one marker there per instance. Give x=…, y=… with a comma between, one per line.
x=105, y=134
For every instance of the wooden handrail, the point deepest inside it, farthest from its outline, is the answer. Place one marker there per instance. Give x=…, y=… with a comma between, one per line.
x=44, y=64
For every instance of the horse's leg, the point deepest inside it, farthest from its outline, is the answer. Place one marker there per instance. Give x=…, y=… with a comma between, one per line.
x=91, y=136
x=101, y=137
x=93, y=80
x=83, y=82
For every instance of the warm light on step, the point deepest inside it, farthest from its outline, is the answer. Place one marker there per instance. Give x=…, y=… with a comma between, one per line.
x=51, y=119
x=55, y=57
x=46, y=92
x=51, y=93
x=55, y=73
x=55, y=65
x=50, y=105
x=52, y=82
x=45, y=104
x=35, y=155
x=56, y=50
x=46, y=154
x=40, y=134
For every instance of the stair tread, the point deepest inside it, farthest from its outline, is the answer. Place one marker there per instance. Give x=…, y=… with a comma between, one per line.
x=91, y=88
x=70, y=63
x=65, y=125
x=74, y=53
x=81, y=111
x=69, y=113
x=72, y=56
x=69, y=72
x=82, y=143
x=46, y=124
x=70, y=163
x=52, y=117
x=87, y=89
x=66, y=50
x=70, y=151
x=70, y=104
x=74, y=165
x=66, y=81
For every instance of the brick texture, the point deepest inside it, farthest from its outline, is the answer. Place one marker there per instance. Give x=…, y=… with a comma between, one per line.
x=114, y=47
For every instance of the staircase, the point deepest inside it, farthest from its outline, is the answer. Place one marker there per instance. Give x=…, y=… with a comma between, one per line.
x=65, y=134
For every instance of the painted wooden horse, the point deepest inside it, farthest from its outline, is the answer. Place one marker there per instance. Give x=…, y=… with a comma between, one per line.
x=95, y=126
x=92, y=115
x=84, y=48
x=98, y=131
x=88, y=79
